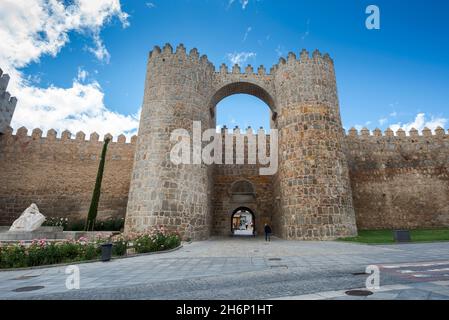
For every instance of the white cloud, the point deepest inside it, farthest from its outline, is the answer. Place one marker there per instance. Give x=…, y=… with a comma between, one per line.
x=420, y=123
x=383, y=121
x=82, y=74
x=240, y=57
x=243, y=3
x=359, y=127
x=150, y=5
x=279, y=50
x=100, y=51
x=248, y=30
x=79, y=108
x=307, y=33
x=32, y=29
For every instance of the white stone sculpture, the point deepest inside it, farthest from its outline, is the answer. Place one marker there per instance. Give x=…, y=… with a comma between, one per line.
x=30, y=220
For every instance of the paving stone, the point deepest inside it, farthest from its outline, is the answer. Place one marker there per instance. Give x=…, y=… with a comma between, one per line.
x=414, y=294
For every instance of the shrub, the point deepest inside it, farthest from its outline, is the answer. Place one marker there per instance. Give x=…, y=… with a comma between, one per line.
x=112, y=224
x=173, y=241
x=119, y=246
x=39, y=254
x=69, y=250
x=144, y=244
x=157, y=240
x=76, y=225
x=13, y=256
x=90, y=252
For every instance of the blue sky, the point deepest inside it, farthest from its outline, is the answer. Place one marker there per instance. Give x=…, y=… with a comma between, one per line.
x=395, y=76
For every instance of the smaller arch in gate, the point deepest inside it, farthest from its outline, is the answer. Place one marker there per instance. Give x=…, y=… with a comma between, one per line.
x=243, y=222
x=242, y=191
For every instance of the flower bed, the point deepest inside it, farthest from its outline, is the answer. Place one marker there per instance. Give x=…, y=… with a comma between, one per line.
x=43, y=252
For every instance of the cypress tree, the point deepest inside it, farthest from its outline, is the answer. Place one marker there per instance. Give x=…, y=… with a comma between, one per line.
x=93, y=210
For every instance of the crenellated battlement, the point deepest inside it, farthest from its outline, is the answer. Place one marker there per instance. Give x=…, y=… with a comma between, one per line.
x=66, y=136
x=169, y=68
x=400, y=133
x=237, y=69
x=398, y=150
x=7, y=103
x=158, y=55
x=180, y=53
x=303, y=58
x=22, y=134
x=240, y=131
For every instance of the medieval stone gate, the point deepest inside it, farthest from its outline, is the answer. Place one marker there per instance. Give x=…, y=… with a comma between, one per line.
x=398, y=180
x=310, y=195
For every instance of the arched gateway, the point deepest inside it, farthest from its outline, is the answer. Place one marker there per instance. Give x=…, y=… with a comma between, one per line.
x=309, y=197
x=243, y=222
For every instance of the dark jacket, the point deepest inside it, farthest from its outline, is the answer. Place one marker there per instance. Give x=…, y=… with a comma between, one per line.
x=267, y=229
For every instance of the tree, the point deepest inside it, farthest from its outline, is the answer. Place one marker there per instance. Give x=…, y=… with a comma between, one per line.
x=93, y=210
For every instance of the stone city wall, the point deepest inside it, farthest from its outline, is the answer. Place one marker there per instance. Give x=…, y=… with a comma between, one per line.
x=399, y=181
x=58, y=174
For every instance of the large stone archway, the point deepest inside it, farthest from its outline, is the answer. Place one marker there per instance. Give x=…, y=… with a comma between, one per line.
x=259, y=85
x=310, y=195
x=243, y=88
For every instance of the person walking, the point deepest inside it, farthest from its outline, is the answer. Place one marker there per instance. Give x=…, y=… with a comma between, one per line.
x=267, y=232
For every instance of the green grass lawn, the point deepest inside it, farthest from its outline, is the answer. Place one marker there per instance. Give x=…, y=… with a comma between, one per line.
x=386, y=236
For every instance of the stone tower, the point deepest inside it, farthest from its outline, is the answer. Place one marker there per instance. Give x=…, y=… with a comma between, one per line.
x=161, y=193
x=7, y=104
x=313, y=177
x=311, y=191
